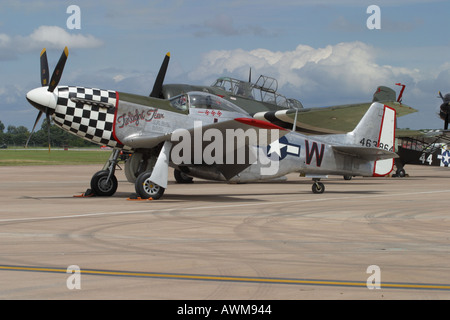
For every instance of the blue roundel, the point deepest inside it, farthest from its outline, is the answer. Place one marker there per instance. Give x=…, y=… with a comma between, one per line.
x=445, y=158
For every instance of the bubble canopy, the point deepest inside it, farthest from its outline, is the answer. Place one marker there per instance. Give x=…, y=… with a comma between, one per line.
x=203, y=100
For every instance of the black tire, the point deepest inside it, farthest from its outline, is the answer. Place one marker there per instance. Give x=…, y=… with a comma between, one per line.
x=401, y=173
x=181, y=177
x=102, y=188
x=347, y=177
x=318, y=187
x=146, y=188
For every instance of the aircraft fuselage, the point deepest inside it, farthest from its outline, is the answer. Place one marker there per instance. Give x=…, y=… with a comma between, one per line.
x=119, y=120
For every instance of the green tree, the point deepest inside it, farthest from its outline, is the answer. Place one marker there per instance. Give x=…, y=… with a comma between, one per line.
x=17, y=136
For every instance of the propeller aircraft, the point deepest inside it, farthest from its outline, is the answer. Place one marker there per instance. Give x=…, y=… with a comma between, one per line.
x=203, y=135
x=263, y=101
x=425, y=147
x=252, y=97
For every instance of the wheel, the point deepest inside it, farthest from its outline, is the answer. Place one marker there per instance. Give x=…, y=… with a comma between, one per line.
x=146, y=188
x=181, y=177
x=347, y=177
x=318, y=187
x=101, y=187
x=401, y=173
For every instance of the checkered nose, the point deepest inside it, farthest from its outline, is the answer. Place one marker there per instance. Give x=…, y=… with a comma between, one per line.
x=43, y=100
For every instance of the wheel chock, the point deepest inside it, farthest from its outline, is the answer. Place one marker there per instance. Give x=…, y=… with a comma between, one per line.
x=89, y=193
x=134, y=197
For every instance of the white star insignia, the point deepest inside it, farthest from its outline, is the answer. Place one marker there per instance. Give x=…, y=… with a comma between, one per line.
x=276, y=147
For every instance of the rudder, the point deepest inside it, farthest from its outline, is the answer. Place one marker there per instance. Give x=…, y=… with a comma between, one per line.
x=386, y=141
x=377, y=129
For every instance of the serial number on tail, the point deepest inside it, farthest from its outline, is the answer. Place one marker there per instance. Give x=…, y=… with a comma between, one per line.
x=374, y=143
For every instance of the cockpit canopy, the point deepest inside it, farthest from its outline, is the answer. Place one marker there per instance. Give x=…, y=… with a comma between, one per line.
x=264, y=90
x=204, y=100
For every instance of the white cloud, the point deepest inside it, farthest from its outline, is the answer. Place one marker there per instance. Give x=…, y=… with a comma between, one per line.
x=340, y=69
x=343, y=73
x=56, y=37
x=50, y=37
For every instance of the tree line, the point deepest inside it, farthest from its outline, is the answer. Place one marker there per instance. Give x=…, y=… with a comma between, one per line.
x=13, y=136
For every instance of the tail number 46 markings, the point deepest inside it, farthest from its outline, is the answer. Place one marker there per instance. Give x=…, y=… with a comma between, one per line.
x=374, y=143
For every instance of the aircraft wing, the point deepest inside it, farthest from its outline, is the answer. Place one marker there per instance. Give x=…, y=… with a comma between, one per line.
x=150, y=140
x=366, y=153
x=326, y=120
x=272, y=133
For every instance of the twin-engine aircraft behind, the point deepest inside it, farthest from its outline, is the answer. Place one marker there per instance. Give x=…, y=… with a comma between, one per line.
x=203, y=135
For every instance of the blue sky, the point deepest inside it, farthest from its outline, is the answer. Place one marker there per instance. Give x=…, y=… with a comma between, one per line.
x=320, y=51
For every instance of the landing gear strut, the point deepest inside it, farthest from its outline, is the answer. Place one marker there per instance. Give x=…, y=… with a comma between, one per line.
x=104, y=182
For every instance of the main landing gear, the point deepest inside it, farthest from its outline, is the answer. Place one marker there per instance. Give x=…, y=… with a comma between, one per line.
x=147, y=189
x=104, y=182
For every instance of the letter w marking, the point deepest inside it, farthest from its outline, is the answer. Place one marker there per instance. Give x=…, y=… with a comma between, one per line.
x=314, y=150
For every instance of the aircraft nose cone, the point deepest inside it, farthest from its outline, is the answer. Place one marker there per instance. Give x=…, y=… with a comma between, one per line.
x=42, y=99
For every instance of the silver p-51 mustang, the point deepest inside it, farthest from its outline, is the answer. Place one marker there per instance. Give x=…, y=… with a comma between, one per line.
x=202, y=135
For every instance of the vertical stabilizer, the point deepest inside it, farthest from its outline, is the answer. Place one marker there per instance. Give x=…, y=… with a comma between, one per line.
x=377, y=130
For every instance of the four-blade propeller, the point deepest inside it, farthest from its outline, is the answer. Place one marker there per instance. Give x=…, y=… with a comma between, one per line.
x=56, y=77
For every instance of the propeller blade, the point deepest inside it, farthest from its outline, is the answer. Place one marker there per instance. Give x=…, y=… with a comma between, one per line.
x=250, y=75
x=48, y=130
x=57, y=73
x=34, y=127
x=44, y=68
x=157, y=87
x=440, y=94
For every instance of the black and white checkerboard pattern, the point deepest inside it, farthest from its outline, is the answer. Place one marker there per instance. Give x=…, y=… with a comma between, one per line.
x=89, y=121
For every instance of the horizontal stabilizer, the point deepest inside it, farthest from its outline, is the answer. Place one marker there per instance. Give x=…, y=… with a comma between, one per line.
x=365, y=153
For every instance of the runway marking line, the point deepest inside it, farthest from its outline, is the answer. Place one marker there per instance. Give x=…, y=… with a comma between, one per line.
x=181, y=276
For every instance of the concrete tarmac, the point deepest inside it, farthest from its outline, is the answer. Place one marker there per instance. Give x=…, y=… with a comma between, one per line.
x=211, y=240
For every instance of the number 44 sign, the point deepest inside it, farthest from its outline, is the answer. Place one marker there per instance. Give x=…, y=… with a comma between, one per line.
x=423, y=158
x=444, y=157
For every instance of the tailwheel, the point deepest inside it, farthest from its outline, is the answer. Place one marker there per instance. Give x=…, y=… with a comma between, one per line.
x=318, y=187
x=145, y=188
x=401, y=173
x=103, y=184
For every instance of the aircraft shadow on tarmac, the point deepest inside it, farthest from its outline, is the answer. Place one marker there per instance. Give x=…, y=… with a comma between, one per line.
x=298, y=189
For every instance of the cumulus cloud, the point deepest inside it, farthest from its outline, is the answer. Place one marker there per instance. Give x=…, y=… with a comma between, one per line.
x=50, y=37
x=347, y=72
x=57, y=37
x=341, y=69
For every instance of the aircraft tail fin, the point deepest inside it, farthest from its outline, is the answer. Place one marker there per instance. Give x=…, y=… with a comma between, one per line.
x=377, y=130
